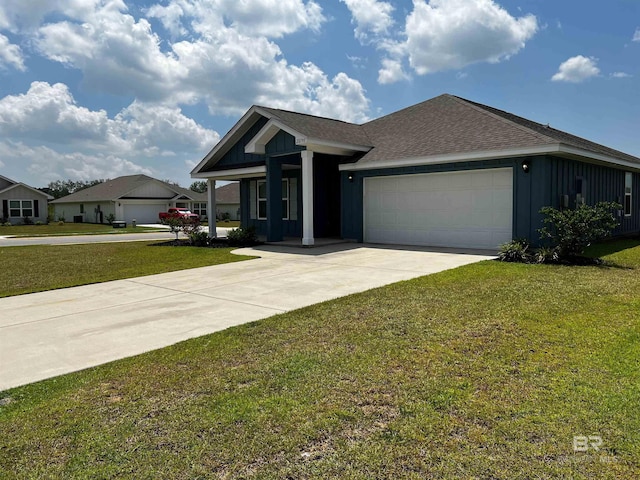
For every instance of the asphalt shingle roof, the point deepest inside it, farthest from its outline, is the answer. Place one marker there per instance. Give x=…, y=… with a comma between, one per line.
x=450, y=125
x=121, y=186
x=228, y=193
x=322, y=128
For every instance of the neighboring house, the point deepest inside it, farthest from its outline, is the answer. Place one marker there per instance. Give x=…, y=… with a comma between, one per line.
x=19, y=201
x=446, y=172
x=228, y=201
x=133, y=197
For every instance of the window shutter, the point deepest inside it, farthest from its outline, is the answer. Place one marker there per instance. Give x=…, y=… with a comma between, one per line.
x=293, y=198
x=5, y=209
x=253, y=200
x=36, y=210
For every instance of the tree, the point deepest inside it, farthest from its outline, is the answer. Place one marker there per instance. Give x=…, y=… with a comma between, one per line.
x=62, y=188
x=199, y=186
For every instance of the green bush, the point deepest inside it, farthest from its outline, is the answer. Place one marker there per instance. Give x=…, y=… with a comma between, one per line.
x=39, y=223
x=546, y=255
x=515, y=251
x=27, y=221
x=61, y=223
x=199, y=238
x=110, y=218
x=242, y=237
x=571, y=231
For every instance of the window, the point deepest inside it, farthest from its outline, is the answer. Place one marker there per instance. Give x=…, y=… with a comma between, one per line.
x=82, y=208
x=628, y=192
x=262, y=199
x=581, y=191
x=200, y=209
x=20, y=208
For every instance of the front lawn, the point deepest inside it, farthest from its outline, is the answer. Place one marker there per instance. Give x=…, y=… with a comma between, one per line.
x=486, y=371
x=53, y=229
x=46, y=267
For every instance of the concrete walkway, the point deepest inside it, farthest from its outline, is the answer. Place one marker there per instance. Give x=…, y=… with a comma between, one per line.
x=50, y=333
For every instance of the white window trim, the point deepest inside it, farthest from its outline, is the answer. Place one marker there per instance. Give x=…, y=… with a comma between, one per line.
x=264, y=199
x=21, y=208
x=628, y=194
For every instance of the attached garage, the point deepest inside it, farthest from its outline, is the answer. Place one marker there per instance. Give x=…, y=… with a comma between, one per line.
x=472, y=209
x=143, y=213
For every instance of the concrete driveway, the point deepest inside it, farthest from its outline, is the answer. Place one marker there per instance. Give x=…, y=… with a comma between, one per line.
x=50, y=333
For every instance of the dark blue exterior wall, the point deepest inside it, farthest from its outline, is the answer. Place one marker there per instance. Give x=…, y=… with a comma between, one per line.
x=236, y=158
x=603, y=184
x=283, y=142
x=548, y=179
x=290, y=228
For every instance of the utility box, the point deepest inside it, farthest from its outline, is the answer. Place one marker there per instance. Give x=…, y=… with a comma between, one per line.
x=119, y=224
x=77, y=219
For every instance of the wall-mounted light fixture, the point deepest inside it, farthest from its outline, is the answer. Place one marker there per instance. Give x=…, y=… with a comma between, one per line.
x=350, y=177
x=526, y=165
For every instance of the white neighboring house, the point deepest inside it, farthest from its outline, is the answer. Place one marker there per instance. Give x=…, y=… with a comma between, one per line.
x=228, y=201
x=19, y=200
x=133, y=197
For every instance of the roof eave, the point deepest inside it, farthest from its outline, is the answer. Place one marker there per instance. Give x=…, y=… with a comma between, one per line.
x=549, y=149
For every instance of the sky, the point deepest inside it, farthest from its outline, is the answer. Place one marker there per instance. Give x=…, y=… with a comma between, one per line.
x=102, y=88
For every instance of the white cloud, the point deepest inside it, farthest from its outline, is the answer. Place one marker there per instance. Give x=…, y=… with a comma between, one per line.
x=621, y=75
x=636, y=35
x=392, y=71
x=372, y=18
x=223, y=58
x=451, y=34
x=49, y=114
x=440, y=34
x=10, y=55
x=577, y=69
x=46, y=164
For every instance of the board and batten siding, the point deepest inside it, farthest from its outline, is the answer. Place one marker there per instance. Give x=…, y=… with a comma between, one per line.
x=602, y=183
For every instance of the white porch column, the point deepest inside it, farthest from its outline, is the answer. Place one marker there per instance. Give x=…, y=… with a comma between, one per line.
x=307, y=198
x=211, y=207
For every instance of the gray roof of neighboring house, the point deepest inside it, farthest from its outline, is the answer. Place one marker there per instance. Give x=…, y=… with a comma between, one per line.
x=119, y=187
x=228, y=193
x=13, y=184
x=322, y=128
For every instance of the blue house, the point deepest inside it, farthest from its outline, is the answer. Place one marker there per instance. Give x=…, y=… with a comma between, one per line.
x=446, y=172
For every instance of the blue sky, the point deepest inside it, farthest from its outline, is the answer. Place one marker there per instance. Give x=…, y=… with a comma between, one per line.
x=103, y=88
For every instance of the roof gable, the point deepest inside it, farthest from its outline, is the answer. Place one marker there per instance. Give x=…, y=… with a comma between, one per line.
x=33, y=191
x=120, y=187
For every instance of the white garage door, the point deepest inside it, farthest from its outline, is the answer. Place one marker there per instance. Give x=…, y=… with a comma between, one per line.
x=470, y=209
x=144, y=213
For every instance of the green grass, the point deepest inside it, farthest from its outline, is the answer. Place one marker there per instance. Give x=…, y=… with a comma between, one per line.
x=485, y=371
x=53, y=229
x=47, y=267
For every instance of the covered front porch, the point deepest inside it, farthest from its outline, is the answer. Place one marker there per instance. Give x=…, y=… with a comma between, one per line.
x=294, y=199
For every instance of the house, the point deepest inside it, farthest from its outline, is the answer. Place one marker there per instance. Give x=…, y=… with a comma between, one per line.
x=228, y=201
x=132, y=197
x=446, y=172
x=22, y=203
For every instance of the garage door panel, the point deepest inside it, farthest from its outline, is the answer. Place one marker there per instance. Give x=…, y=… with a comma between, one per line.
x=143, y=213
x=458, y=209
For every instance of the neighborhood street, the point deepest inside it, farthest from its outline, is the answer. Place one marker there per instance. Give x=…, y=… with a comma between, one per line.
x=76, y=239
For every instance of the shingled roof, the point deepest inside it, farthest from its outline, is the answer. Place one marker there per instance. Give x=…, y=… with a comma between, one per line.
x=321, y=128
x=443, y=126
x=448, y=125
x=119, y=187
x=228, y=193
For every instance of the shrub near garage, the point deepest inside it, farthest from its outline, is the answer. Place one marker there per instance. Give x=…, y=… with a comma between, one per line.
x=568, y=232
